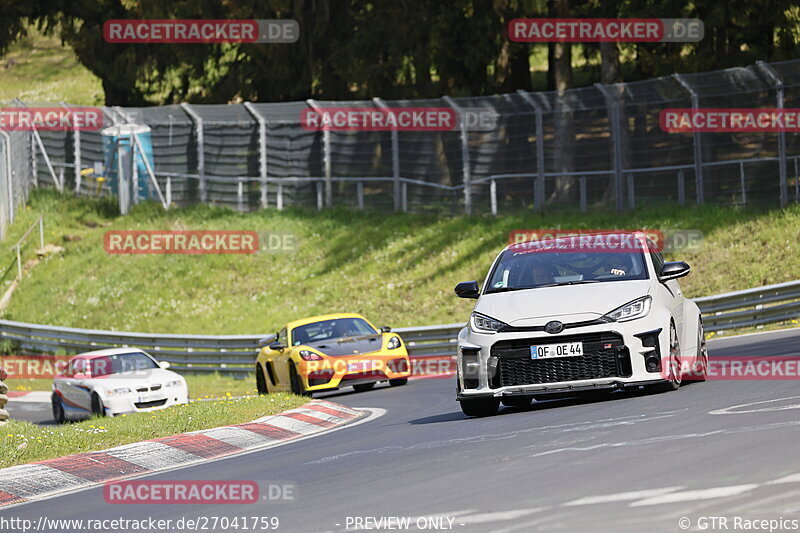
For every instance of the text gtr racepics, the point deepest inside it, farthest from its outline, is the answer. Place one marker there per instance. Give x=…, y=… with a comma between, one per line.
x=328, y=352
x=568, y=316
x=113, y=382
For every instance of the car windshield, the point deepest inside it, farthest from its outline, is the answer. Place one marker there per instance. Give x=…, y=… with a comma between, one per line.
x=118, y=363
x=523, y=269
x=331, y=329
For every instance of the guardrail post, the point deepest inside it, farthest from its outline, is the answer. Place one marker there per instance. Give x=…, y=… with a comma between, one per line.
x=404, y=197
x=741, y=183
x=319, y=196
x=279, y=201
x=465, y=161
x=582, y=185
x=240, y=196
x=776, y=78
x=262, y=150
x=169, y=191
x=395, y=136
x=612, y=107
x=681, y=188
x=538, y=187
x=326, y=155
x=698, y=147
x=41, y=232
x=360, y=194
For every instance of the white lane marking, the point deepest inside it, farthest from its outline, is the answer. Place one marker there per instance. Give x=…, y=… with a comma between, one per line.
x=152, y=455
x=664, y=438
x=791, y=478
x=482, y=518
x=729, y=410
x=693, y=495
x=622, y=496
x=373, y=414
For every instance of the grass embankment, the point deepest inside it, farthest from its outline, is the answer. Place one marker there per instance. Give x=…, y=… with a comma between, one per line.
x=23, y=442
x=397, y=269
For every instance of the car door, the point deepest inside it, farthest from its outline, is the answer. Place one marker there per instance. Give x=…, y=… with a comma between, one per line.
x=75, y=388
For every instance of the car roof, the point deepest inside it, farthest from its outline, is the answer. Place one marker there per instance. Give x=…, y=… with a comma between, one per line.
x=319, y=318
x=108, y=351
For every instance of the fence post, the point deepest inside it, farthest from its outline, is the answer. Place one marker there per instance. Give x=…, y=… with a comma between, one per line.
x=631, y=193
x=404, y=197
x=201, y=156
x=697, y=142
x=395, y=136
x=9, y=182
x=493, y=196
x=741, y=183
x=681, y=188
x=240, y=196
x=279, y=201
x=584, y=203
x=538, y=188
x=612, y=108
x=41, y=232
x=776, y=78
x=76, y=152
x=3, y=396
x=169, y=191
x=326, y=154
x=465, y=162
x=796, y=184
x=262, y=151
x=319, y=197
x=360, y=194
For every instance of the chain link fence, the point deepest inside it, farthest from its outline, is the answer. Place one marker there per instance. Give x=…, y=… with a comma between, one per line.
x=589, y=149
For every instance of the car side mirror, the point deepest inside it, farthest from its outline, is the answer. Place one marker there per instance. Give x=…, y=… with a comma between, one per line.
x=467, y=289
x=673, y=270
x=266, y=340
x=277, y=346
x=164, y=364
x=385, y=329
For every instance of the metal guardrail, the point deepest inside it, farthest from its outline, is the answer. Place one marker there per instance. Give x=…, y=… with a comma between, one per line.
x=236, y=353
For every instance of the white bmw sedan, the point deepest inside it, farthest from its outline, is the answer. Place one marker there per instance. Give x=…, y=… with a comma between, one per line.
x=571, y=316
x=113, y=382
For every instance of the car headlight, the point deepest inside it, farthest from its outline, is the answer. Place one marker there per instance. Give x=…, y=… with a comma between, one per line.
x=174, y=383
x=394, y=343
x=631, y=310
x=117, y=392
x=485, y=324
x=308, y=355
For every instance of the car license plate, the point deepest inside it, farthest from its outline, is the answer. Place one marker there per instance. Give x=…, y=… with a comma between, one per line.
x=361, y=366
x=566, y=349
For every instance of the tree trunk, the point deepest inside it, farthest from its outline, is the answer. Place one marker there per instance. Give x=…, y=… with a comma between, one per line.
x=565, y=189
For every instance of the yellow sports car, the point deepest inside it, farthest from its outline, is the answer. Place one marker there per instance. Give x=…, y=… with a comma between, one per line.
x=327, y=352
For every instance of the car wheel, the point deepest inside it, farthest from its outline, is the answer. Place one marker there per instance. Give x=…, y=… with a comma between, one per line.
x=261, y=381
x=517, y=401
x=701, y=372
x=296, y=382
x=97, y=406
x=58, y=409
x=397, y=382
x=480, y=406
x=673, y=381
x=363, y=387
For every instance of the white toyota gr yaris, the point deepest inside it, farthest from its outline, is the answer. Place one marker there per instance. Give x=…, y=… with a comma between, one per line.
x=567, y=316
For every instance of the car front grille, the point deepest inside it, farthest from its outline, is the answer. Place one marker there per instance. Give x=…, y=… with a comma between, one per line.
x=604, y=356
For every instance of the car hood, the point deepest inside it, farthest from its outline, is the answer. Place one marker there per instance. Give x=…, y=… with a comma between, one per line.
x=572, y=303
x=348, y=345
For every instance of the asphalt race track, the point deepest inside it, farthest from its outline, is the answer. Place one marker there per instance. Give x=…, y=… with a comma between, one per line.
x=633, y=462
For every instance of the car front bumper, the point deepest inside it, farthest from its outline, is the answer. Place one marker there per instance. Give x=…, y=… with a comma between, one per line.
x=615, y=357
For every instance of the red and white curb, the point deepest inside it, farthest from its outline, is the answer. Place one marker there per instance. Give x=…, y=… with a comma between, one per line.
x=35, y=396
x=44, y=479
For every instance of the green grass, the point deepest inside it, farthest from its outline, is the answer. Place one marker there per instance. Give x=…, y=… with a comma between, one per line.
x=23, y=442
x=200, y=385
x=397, y=269
x=39, y=68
